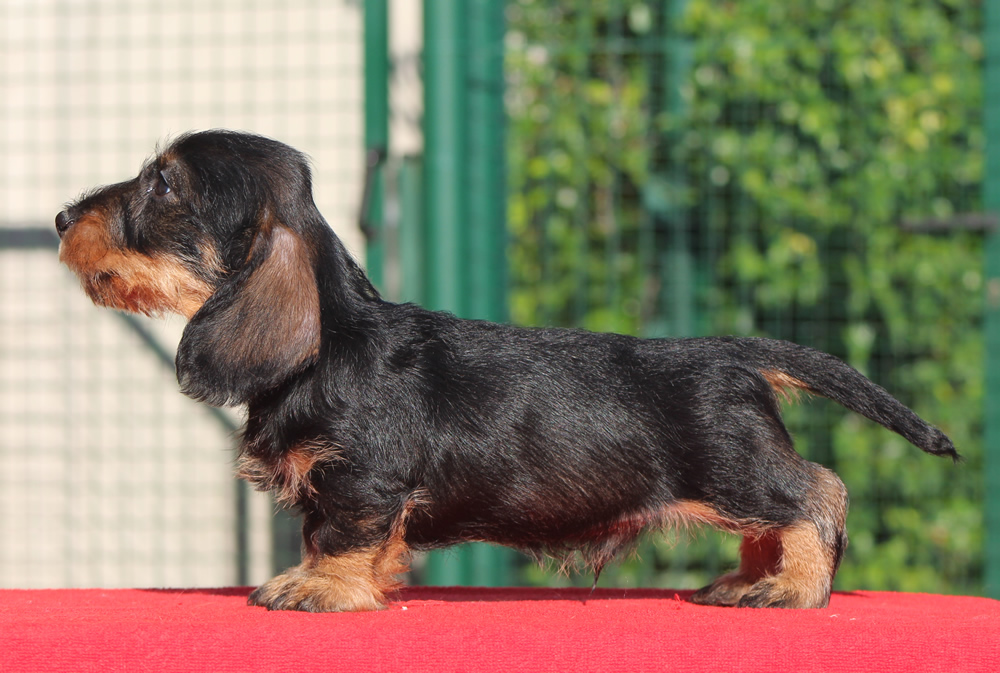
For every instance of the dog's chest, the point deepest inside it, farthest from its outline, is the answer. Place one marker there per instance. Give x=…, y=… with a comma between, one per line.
x=290, y=474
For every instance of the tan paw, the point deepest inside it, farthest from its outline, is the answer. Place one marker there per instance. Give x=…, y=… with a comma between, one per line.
x=345, y=583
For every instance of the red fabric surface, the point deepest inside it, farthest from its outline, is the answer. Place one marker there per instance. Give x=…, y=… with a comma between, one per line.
x=454, y=629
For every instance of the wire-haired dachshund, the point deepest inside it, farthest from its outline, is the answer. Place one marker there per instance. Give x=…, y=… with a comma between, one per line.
x=393, y=428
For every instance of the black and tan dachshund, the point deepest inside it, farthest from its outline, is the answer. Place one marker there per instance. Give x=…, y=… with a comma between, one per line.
x=392, y=428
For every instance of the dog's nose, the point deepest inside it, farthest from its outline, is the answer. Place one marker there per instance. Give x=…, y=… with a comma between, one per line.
x=63, y=222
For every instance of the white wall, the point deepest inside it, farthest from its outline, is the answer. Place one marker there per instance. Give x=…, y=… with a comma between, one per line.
x=108, y=475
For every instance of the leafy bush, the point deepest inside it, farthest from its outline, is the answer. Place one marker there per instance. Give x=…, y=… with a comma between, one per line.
x=751, y=164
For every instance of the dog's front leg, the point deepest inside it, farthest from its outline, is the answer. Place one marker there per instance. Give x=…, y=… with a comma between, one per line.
x=350, y=580
x=343, y=583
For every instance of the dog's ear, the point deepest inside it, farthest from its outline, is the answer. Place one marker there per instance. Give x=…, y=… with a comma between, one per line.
x=260, y=327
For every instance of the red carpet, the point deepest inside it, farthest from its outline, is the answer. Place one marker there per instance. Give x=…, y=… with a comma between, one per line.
x=431, y=629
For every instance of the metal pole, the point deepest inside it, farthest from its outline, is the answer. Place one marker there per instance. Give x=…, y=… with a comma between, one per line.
x=681, y=264
x=376, y=106
x=487, y=184
x=991, y=203
x=445, y=151
x=487, y=211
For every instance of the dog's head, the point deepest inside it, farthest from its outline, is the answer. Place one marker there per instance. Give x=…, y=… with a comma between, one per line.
x=221, y=228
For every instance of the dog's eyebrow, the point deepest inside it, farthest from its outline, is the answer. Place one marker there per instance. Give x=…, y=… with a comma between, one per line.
x=149, y=165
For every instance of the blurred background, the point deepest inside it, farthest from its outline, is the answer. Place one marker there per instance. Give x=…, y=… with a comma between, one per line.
x=822, y=172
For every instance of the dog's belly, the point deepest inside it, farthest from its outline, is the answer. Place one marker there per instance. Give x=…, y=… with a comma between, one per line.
x=537, y=520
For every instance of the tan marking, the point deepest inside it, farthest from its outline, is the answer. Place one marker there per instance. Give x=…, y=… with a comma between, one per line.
x=620, y=532
x=809, y=548
x=288, y=476
x=789, y=567
x=393, y=557
x=831, y=501
x=806, y=575
x=685, y=512
x=127, y=280
x=345, y=583
x=785, y=385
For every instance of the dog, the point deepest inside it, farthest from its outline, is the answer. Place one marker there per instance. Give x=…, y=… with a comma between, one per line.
x=394, y=428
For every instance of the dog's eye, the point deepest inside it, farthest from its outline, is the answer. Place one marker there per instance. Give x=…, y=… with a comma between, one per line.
x=162, y=186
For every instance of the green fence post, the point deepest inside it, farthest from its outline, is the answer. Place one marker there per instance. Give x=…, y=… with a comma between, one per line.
x=665, y=197
x=412, y=235
x=464, y=201
x=991, y=203
x=487, y=215
x=444, y=151
x=487, y=210
x=681, y=263
x=444, y=140
x=376, y=109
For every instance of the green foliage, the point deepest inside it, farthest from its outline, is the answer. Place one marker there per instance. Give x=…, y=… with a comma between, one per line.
x=579, y=130
x=780, y=168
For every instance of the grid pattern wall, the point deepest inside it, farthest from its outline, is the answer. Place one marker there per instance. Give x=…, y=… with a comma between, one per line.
x=108, y=475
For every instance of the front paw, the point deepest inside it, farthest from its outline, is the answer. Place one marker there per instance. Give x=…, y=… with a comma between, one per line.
x=328, y=584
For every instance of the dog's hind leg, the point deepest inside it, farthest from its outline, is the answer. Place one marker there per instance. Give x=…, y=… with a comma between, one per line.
x=793, y=565
x=810, y=552
x=760, y=555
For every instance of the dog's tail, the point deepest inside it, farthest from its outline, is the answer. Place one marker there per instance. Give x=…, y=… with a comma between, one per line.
x=788, y=366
